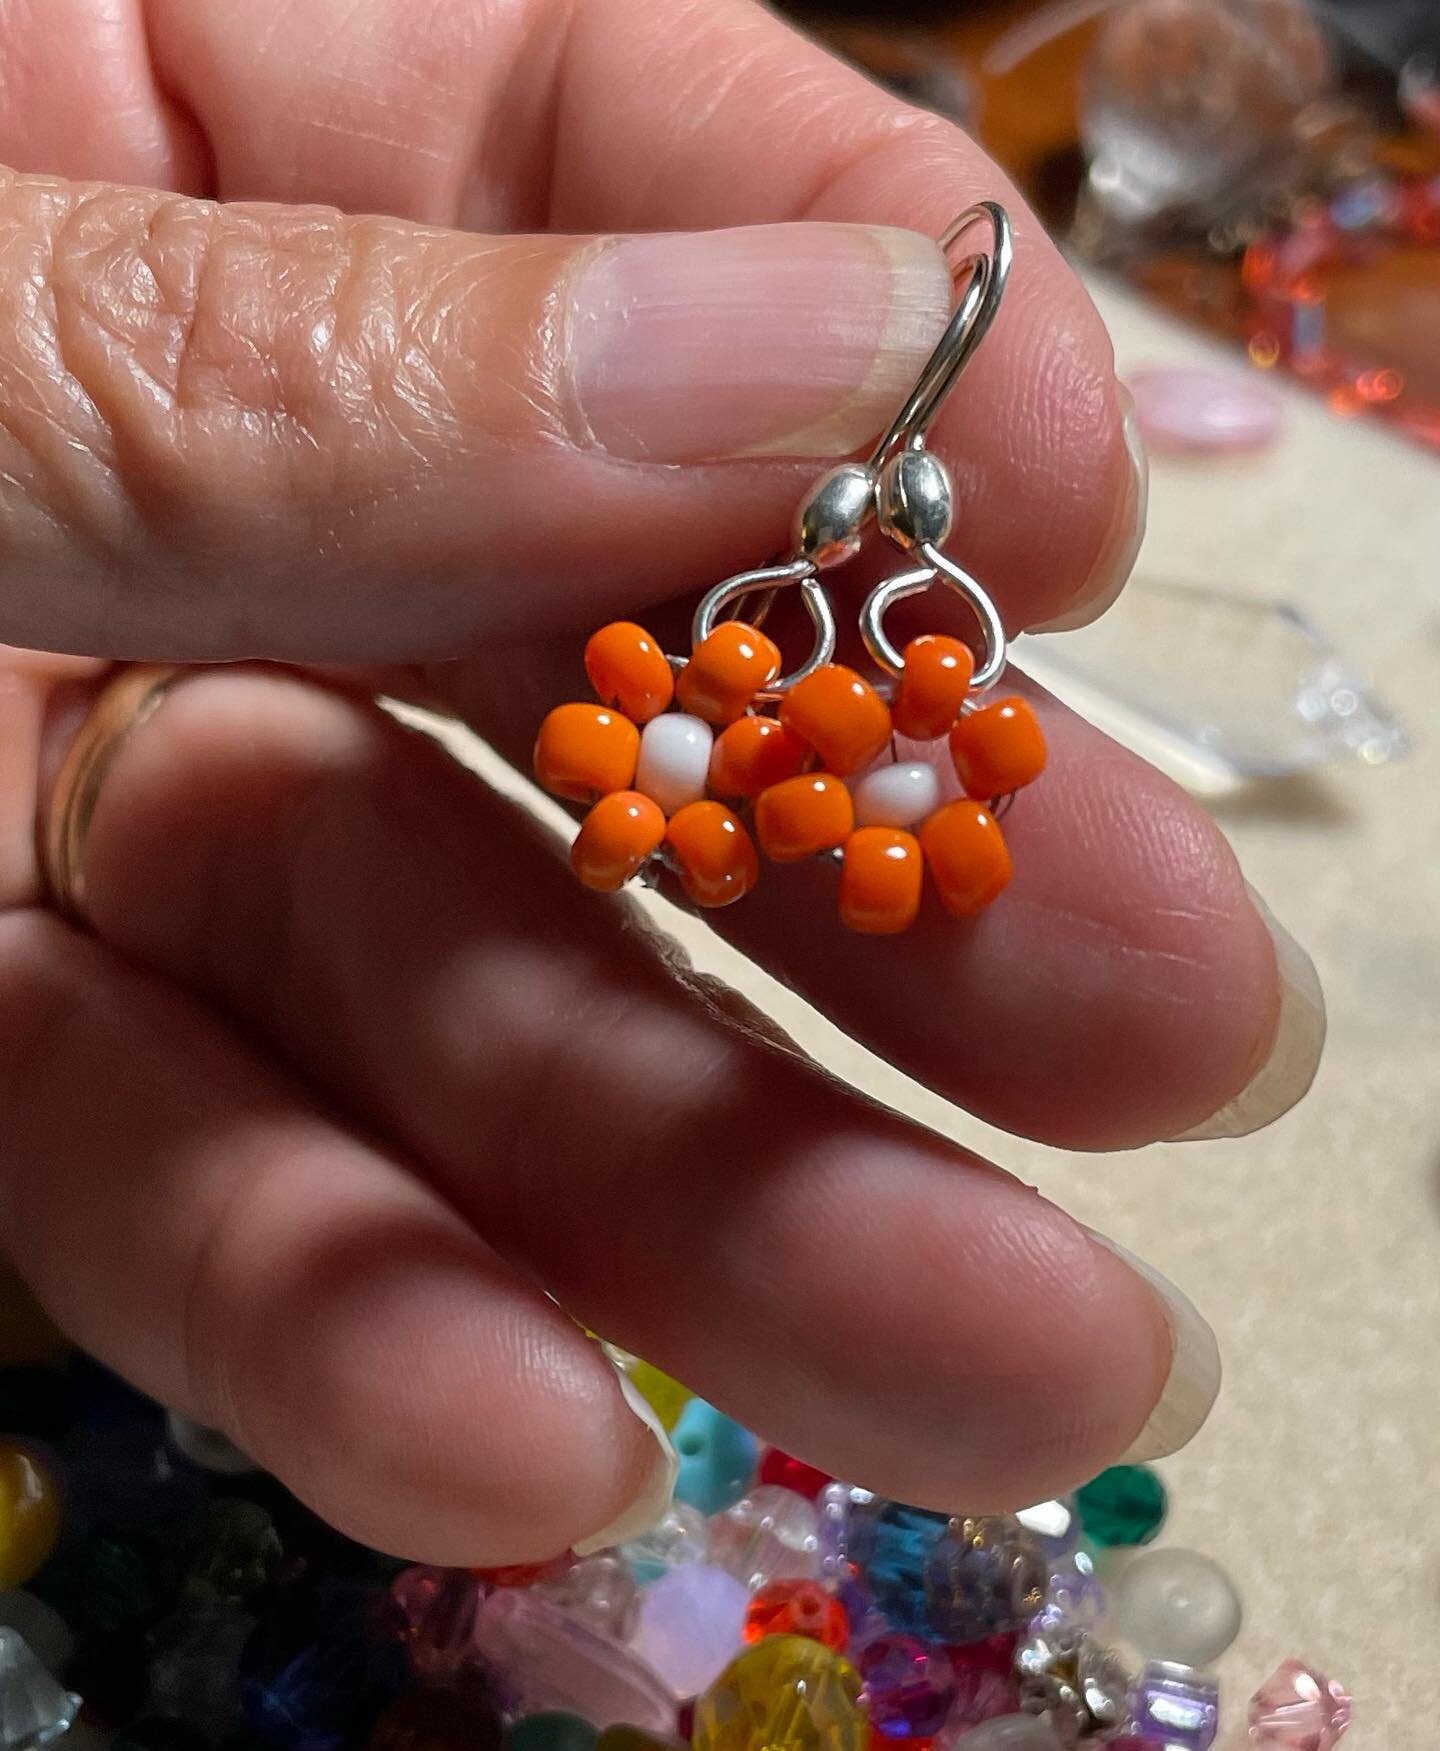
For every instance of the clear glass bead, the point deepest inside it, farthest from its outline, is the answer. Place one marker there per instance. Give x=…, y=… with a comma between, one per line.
x=681, y=1535
x=599, y=1590
x=770, y=1535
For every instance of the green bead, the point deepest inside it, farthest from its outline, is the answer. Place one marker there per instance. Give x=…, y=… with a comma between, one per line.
x=230, y=1553
x=551, y=1731
x=1124, y=1505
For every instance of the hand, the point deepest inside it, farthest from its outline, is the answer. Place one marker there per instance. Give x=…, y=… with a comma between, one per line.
x=347, y=1071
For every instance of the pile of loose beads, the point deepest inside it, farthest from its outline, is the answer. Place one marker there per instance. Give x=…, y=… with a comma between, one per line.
x=184, y=1601
x=889, y=790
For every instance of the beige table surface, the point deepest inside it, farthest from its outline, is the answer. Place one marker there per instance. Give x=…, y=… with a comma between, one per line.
x=1314, y=1248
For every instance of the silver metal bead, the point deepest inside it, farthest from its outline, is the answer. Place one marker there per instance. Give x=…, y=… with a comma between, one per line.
x=830, y=524
x=914, y=501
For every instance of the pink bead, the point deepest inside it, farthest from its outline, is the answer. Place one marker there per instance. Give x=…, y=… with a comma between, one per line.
x=1298, y=1709
x=1182, y=411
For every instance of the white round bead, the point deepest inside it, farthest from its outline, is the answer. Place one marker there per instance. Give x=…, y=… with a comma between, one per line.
x=1176, y=1605
x=897, y=796
x=674, y=759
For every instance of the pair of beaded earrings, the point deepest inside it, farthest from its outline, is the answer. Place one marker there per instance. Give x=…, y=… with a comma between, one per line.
x=823, y=774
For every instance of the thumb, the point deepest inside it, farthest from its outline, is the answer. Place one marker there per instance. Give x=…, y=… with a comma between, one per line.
x=231, y=431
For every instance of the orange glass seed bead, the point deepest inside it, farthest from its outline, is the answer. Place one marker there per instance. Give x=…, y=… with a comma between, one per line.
x=881, y=881
x=966, y=854
x=726, y=671
x=933, y=686
x=715, y=855
x=803, y=816
x=628, y=670
x=615, y=839
x=585, y=751
x=998, y=748
x=840, y=715
x=754, y=753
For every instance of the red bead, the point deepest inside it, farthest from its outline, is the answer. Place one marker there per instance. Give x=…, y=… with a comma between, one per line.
x=797, y=1608
x=628, y=670
x=792, y=1474
x=933, y=686
x=966, y=855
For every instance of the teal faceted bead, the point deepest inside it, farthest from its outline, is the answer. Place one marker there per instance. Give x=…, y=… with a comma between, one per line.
x=552, y=1731
x=1124, y=1505
x=717, y=1458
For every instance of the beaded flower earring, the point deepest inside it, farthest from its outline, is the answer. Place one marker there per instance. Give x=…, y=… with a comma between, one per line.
x=815, y=763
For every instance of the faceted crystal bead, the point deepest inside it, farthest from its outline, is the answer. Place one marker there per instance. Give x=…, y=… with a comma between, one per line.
x=797, y=1608
x=1298, y=1709
x=1123, y=1505
x=1178, y=1605
x=453, y=1718
x=891, y=1544
x=29, y=1513
x=319, y=1667
x=983, y=1577
x=690, y=1626
x=34, y=1709
x=1176, y=1705
x=599, y=1590
x=717, y=1457
x=846, y=1516
x=784, y=1694
x=542, y=1659
x=195, y=1672
x=230, y=1552
x=681, y=1535
x=770, y=1535
x=436, y=1614
x=908, y=1687
x=1283, y=701
x=551, y=1731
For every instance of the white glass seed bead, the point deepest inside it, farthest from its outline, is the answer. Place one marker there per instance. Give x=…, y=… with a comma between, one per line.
x=1176, y=1605
x=897, y=796
x=674, y=759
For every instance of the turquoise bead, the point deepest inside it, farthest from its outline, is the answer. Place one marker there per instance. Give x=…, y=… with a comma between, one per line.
x=717, y=1458
x=1124, y=1505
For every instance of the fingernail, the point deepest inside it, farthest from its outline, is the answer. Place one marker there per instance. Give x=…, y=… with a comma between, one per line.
x=769, y=340
x=1194, y=1378
x=1122, y=546
x=652, y=1498
x=1294, y=1056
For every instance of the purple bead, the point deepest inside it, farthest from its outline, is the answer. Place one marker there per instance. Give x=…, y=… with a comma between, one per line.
x=1183, y=410
x=1176, y=1705
x=908, y=1687
x=691, y=1625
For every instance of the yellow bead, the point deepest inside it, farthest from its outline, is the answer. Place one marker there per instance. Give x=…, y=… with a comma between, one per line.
x=666, y=1397
x=786, y=1693
x=29, y=1514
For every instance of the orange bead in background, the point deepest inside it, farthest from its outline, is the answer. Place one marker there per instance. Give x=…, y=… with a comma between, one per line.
x=803, y=816
x=754, y=753
x=881, y=881
x=615, y=840
x=797, y=1608
x=998, y=748
x=933, y=686
x=966, y=854
x=726, y=671
x=716, y=856
x=840, y=715
x=585, y=751
x=628, y=670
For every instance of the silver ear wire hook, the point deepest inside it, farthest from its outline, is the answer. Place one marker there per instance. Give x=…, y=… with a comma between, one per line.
x=902, y=485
